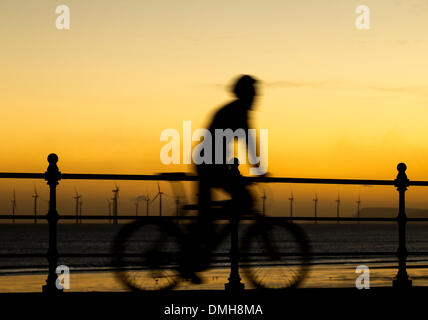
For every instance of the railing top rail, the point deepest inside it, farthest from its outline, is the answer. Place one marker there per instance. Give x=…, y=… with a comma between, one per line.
x=191, y=177
x=19, y=175
x=181, y=176
x=418, y=183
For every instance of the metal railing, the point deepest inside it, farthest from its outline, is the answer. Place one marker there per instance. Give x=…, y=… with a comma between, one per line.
x=53, y=176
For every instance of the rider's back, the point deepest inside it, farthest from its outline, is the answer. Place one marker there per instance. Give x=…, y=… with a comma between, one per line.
x=232, y=116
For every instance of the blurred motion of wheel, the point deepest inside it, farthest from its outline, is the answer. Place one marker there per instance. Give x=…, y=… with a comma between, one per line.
x=146, y=255
x=275, y=255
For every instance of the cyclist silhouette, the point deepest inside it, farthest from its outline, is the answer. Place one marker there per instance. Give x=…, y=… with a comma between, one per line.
x=220, y=173
x=224, y=174
x=183, y=251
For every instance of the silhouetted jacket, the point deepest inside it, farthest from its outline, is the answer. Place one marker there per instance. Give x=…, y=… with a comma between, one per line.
x=232, y=116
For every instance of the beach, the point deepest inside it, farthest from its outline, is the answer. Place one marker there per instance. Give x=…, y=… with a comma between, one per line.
x=327, y=269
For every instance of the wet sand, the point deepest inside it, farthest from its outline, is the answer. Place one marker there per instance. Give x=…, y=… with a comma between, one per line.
x=326, y=276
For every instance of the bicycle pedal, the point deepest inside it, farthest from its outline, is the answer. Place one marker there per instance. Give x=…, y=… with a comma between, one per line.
x=195, y=279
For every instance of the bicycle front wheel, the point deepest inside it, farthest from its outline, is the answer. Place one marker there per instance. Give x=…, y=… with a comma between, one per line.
x=146, y=255
x=275, y=255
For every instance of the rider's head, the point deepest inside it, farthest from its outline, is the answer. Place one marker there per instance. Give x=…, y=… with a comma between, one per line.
x=245, y=90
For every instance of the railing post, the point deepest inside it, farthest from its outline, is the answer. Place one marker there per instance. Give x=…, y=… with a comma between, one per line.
x=52, y=176
x=402, y=279
x=234, y=284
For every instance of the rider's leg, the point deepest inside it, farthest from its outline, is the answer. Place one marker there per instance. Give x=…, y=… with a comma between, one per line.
x=204, y=225
x=192, y=259
x=242, y=197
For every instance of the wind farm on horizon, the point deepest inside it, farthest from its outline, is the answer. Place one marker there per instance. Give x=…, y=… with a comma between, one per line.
x=155, y=205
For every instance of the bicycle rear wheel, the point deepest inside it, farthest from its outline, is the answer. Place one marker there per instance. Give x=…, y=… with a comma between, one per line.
x=146, y=255
x=275, y=255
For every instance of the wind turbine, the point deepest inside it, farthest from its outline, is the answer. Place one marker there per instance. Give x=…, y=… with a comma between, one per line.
x=177, y=206
x=35, y=196
x=13, y=206
x=159, y=194
x=176, y=201
x=77, y=198
x=291, y=204
x=137, y=203
x=338, y=207
x=315, y=200
x=109, y=211
x=136, y=208
x=115, y=198
x=80, y=208
x=147, y=199
x=358, y=207
x=264, y=203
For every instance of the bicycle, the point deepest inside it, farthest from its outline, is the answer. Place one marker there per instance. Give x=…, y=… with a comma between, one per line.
x=156, y=254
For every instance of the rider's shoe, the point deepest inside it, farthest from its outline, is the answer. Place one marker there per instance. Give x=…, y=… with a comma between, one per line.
x=195, y=279
x=190, y=275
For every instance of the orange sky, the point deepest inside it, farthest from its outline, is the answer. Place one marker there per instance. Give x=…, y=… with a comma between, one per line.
x=338, y=102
